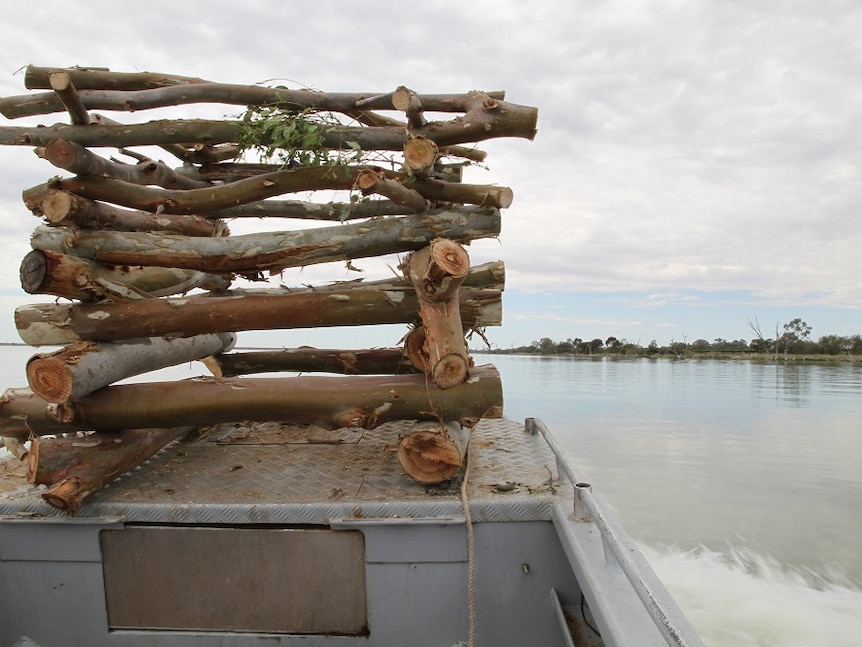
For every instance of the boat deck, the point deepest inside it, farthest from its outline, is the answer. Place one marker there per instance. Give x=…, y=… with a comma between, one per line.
x=282, y=473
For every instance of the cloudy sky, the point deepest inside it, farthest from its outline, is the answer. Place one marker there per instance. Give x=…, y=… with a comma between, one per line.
x=697, y=163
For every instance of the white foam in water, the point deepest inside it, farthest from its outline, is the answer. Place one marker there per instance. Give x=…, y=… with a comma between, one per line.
x=741, y=599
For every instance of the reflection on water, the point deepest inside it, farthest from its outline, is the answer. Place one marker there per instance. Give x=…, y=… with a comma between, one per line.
x=717, y=456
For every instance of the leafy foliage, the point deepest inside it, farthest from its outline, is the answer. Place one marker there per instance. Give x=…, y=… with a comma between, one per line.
x=292, y=137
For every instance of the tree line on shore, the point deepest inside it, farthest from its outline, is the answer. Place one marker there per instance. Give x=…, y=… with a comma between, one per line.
x=791, y=339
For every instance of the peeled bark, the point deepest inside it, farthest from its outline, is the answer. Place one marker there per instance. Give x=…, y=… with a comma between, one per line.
x=78, y=278
x=77, y=159
x=272, y=251
x=62, y=208
x=432, y=451
x=329, y=402
x=74, y=371
x=374, y=361
x=76, y=467
x=436, y=273
x=57, y=324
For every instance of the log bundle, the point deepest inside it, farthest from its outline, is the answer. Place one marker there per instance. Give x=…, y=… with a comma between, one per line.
x=141, y=271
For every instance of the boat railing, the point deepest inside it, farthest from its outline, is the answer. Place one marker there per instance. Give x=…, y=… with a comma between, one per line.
x=661, y=607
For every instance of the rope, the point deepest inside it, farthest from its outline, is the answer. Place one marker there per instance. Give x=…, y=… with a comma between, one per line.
x=471, y=561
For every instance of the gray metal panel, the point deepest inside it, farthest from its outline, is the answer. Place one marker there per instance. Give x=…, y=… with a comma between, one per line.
x=206, y=482
x=235, y=579
x=52, y=538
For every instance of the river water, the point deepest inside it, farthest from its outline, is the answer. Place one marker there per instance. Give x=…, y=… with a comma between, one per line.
x=741, y=481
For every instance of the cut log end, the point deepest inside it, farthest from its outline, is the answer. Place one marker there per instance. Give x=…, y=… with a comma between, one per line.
x=450, y=371
x=433, y=453
x=66, y=495
x=33, y=271
x=50, y=379
x=420, y=154
x=450, y=258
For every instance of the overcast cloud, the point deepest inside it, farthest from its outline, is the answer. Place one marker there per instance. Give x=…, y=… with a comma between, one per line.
x=697, y=163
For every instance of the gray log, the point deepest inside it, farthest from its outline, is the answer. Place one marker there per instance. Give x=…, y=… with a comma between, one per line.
x=272, y=251
x=84, y=367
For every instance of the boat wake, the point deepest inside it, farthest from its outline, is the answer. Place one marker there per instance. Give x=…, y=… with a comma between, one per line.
x=740, y=598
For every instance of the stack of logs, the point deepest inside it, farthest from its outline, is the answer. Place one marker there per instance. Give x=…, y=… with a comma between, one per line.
x=143, y=257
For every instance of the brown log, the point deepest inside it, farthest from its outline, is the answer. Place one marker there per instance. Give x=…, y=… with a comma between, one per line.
x=227, y=94
x=22, y=412
x=486, y=119
x=77, y=467
x=374, y=361
x=369, y=181
x=62, y=84
x=272, y=251
x=78, y=278
x=200, y=153
x=74, y=371
x=373, y=119
x=57, y=324
x=98, y=78
x=62, y=208
x=338, y=211
x=75, y=158
x=436, y=273
x=499, y=197
x=329, y=402
x=433, y=451
x=408, y=102
x=201, y=201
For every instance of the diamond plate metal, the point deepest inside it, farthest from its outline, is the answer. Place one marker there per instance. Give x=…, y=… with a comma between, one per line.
x=279, y=474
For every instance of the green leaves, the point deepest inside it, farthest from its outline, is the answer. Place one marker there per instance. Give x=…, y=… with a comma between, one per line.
x=290, y=137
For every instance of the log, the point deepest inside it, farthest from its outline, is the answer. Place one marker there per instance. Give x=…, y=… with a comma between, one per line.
x=273, y=251
x=369, y=181
x=58, y=324
x=98, y=78
x=436, y=273
x=260, y=187
x=227, y=94
x=75, y=158
x=499, y=197
x=420, y=154
x=76, y=467
x=329, y=402
x=74, y=371
x=487, y=119
x=408, y=102
x=433, y=451
x=373, y=119
x=62, y=208
x=61, y=83
x=22, y=411
x=338, y=211
x=374, y=361
x=78, y=278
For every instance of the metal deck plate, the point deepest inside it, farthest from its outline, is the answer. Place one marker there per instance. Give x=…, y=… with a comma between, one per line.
x=284, y=474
